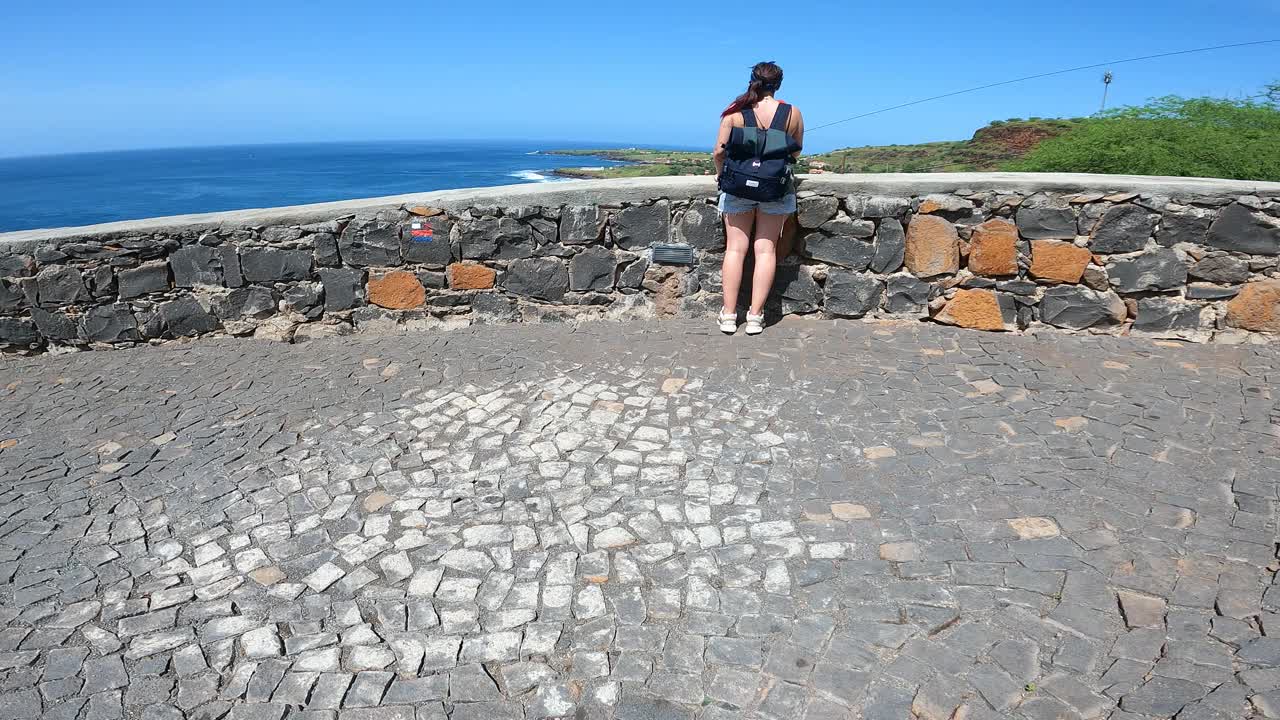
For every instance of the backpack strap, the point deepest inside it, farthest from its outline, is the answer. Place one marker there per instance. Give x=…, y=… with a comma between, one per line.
x=748, y=117
x=780, y=117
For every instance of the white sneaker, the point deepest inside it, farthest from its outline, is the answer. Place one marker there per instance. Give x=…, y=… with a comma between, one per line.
x=728, y=322
x=755, y=323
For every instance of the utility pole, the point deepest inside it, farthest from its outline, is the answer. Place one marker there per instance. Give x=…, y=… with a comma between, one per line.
x=1106, y=85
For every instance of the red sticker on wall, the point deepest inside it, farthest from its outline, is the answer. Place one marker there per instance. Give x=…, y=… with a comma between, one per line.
x=420, y=232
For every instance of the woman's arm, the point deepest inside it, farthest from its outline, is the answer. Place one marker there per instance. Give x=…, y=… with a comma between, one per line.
x=722, y=138
x=799, y=132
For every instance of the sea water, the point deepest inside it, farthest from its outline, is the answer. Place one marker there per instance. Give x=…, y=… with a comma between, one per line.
x=60, y=190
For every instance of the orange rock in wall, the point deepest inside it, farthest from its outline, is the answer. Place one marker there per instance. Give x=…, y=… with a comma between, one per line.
x=933, y=247
x=1060, y=261
x=993, y=249
x=977, y=309
x=396, y=290
x=468, y=276
x=1257, y=307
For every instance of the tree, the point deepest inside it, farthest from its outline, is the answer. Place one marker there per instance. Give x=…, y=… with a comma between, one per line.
x=1202, y=137
x=1272, y=93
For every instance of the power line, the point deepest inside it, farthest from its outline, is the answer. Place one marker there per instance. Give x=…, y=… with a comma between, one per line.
x=1037, y=77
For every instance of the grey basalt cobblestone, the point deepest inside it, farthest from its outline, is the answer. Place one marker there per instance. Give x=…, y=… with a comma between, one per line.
x=608, y=521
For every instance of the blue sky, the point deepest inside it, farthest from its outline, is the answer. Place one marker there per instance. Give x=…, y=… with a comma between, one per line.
x=81, y=75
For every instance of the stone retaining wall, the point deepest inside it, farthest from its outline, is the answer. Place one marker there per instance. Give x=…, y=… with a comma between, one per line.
x=1192, y=259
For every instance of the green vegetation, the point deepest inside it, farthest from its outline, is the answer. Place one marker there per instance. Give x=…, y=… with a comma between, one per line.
x=643, y=163
x=990, y=148
x=1203, y=137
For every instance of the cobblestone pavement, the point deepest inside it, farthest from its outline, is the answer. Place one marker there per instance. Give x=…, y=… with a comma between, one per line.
x=831, y=520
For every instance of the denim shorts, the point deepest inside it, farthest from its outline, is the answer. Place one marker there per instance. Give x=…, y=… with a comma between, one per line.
x=730, y=204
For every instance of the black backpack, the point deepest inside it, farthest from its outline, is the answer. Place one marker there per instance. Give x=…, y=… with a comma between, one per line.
x=758, y=160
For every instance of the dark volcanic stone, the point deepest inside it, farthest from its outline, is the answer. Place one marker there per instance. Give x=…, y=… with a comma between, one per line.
x=435, y=280
x=232, y=277
x=146, y=278
x=1221, y=269
x=1241, y=230
x=700, y=226
x=272, y=265
x=306, y=298
x=196, y=265
x=844, y=226
x=1153, y=270
x=432, y=250
x=342, y=287
x=846, y=251
x=493, y=238
x=546, y=233
x=325, y=249
x=1125, y=228
x=1183, y=227
x=1155, y=314
x=252, y=301
x=102, y=282
x=55, y=325
x=1076, y=307
x=811, y=212
x=890, y=246
x=11, y=296
x=17, y=266
x=593, y=269
x=18, y=331
x=640, y=226
x=907, y=294
x=850, y=294
x=877, y=206
x=1047, y=223
x=632, y=274
x=1207, y=291
x=796, y=288
x=494, y=307
x=50, y=255
x=370, y=241
x=58, y=286
x=184, y=317
x=277, y=235
x=110, y=323
x=581, y=224
x=1018, y=287
x=544, y=278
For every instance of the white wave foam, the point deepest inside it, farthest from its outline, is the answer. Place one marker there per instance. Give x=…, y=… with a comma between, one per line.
x=531, y=175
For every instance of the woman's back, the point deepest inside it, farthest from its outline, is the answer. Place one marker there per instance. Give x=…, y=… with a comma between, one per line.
x=764, y=110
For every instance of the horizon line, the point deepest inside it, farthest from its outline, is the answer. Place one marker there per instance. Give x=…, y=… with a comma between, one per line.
x=553, y=144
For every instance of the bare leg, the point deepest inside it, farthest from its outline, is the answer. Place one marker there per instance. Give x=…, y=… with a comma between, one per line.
x=737, y=231
x=768, y=232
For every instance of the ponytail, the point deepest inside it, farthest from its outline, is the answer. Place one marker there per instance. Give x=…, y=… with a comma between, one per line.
x=766, y=78
x=755, y=91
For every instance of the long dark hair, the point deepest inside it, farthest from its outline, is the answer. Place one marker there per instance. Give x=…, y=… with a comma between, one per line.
x=766, y=78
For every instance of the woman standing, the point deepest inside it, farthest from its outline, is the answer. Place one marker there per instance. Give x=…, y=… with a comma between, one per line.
x=760, y=138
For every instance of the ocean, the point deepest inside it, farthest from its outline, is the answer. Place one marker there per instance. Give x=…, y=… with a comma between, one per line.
x=81, y=189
